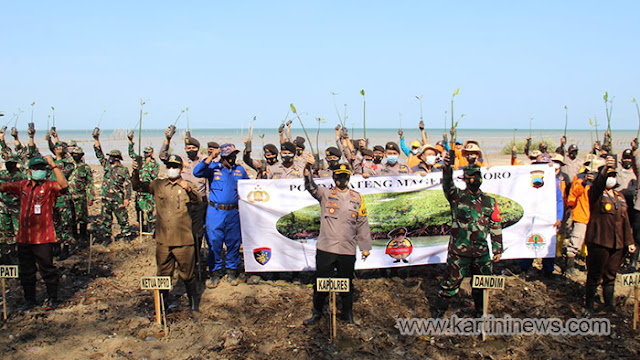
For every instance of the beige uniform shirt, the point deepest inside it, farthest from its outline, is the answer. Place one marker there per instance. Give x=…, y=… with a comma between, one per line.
x=278, y=171
x=396, y=169
x=343, y=220
x=173, y=225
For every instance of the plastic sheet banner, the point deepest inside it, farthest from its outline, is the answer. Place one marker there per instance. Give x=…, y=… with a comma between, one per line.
x=280, y=220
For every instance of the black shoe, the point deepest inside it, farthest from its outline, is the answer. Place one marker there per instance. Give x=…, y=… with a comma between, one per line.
x=608, y=295
x=315, y=317
x=214, y=279
x=590, y=296
x=347, y=316
x=231, y=277
x=28, y=305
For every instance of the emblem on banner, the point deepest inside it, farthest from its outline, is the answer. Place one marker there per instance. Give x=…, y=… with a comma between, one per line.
x=537, y=178
x=258, y=195
x=262, y=255
x=535, y=242
x=399, y=247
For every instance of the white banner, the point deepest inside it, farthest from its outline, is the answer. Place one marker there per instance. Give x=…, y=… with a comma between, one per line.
x=280, y=219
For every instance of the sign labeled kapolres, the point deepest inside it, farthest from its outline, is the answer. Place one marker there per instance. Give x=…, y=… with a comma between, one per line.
x=409, y=216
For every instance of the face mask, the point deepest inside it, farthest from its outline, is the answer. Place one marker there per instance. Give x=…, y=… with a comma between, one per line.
x=473, y=183
x=542, y=148
x=192, y=154
x=38, y=175
x=146, y=155
x=572, y=155
x=472, y=160
x=377, y=159
x=173, y=173
x=392, y=159
x=287, y=159
x=414, y=151
x=341, y=181
x=112, y=160
x=430, y=160
x=231, y=161
x=367, y=162
x=611, y=182
x=272, y=160
x=77, y=158
x=626, y=164
x=333, y=164
x=299, y=152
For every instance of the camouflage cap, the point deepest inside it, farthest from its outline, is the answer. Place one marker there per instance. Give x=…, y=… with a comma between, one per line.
x=472, y=170
x=13, y=159
x=77, y=150
x=148, y=149
x=227, y=150
x=72, y=143
x=62, y=144
x=115, y=153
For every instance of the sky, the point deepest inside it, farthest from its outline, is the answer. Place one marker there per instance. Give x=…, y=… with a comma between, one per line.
x=230, y=61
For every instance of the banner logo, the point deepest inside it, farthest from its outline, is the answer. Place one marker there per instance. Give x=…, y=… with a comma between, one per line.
x=537, y=178
x=262, y=255
x=258, y=195
x=399, y=247
x=536, y=242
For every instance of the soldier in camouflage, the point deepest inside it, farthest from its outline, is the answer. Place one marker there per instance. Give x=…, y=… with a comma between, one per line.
x=475, y=216
x=20, y=150
x=149, y=172
x=81, y=192
x=9, y=211
x=63, y=214
x=116, y=191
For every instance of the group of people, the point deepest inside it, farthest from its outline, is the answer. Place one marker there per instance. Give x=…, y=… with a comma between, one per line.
x=197, y=201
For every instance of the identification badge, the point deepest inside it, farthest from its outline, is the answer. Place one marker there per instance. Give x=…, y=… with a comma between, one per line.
x=37, y=209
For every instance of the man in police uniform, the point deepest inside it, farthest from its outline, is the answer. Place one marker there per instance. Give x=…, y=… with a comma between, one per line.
x=343, y=224
x=332, y=156
x=300, y=157
x=392, y=166
x=265, y=167
x=173, y=232
x=474, y=216
x=223, y=219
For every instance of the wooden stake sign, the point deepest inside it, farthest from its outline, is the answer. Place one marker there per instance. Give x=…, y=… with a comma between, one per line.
x=634, y=281
x=486, y=283
x=156, y=283
x=6, y=272
x=332, y=286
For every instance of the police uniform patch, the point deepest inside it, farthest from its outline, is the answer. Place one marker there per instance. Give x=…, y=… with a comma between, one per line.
x=608, y=207
x=332, y=210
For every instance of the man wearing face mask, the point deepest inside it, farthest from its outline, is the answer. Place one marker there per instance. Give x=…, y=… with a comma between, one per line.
x=412, y=154
x=9, y=211
x=145, y=205
x=393, y=166
x=223, y=219
x=212, y=146
x=116, y=191
x=82, y=193
x=198, y=211
x=36, y=235
x=264, y=168
x=627, y=185
x=300, y=155
x=572, y=164
x=475, y=216
x=174, y=236
x=608, y=236
x=287, y=169
x=332, y=156
x=367, y=161
x=428, y=161
x=471, y=154
x=376, y=165
x=64, y=217
x=343, y=224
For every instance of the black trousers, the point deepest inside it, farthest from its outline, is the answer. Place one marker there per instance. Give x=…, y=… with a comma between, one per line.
x=198, y=215
x=333, y=265
x=635, y=224
x=34, y=258
x=603, y=264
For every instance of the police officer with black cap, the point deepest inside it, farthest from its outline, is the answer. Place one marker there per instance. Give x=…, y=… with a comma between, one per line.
x=262, y=167
x=343, y=224
x=300, y=157
x=393, y=166
x=332, y=156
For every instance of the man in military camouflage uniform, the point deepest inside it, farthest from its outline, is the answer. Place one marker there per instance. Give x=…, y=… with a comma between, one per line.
x=474, y=217
x=9, y=211
x=63, y=214
x=81, y=191
x=149, y=171
x=20, y=150
x=116, y=191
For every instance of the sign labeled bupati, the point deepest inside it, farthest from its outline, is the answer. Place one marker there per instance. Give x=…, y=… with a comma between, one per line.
x=488, y=282
x=631, y=279
x=332, y=284
x=155, y=283
x=8, y=271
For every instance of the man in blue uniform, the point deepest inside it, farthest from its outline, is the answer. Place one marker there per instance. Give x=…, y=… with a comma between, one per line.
x=223, y=219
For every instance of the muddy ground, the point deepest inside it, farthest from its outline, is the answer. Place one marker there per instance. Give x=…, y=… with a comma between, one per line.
x=104, y=315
